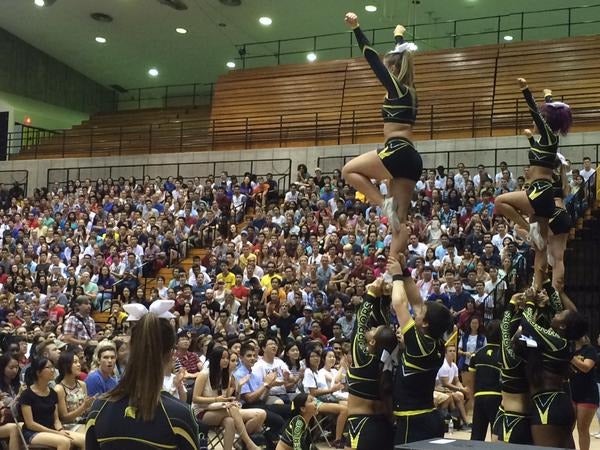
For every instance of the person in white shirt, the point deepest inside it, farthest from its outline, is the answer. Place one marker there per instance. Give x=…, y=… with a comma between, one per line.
x=498, y=238
x=416, y=247
x=292, y=194
x=270, y=363
x=503, y=167
x=587, y=170
x=448, y=380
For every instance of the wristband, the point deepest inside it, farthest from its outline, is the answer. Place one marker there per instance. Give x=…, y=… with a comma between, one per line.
x=398, y=277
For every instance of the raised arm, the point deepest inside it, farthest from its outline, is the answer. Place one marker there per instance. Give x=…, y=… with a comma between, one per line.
x=399, y=296
x=510, y=324
x=385, y=77
x=546, y=135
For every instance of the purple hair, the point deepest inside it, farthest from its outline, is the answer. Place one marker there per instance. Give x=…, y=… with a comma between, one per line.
x=558, y=116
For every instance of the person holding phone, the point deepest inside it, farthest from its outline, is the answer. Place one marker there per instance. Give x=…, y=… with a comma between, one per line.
x=214, y=404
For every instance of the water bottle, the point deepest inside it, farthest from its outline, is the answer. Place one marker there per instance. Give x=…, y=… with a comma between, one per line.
x=203, y=441
x=451, y=427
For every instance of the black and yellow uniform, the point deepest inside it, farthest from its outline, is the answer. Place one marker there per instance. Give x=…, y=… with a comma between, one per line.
x=114, y=426
x=583, y=384
x=363, y=374
x=486, y=366
x=399, y=155
x=367, y=431
x=510, y=426
x=542, y=153
x=297, y=434
x=513, y=427
x=560, y=221
x=416, y=417
x=550, y=407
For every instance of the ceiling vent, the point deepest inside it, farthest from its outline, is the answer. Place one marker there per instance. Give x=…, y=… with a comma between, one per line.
x=231, y=2
x=101, y=17
x=179, y=5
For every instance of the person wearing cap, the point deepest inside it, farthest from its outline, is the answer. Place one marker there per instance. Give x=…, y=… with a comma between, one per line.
x=305, y=322
x=80, y=328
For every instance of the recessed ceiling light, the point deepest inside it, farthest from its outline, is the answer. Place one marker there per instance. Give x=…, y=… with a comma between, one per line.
x=311, y=56
x=153, y=72
x=266, y=21
x=39, y=3
x=100, y=40
x=508, y=38
x=181, y=30
x=370, y=8
x=231, y=65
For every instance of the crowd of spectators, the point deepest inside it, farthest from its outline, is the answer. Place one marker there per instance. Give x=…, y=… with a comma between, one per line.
x=292, y=272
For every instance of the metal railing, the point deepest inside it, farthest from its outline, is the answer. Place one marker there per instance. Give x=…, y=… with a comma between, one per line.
x=555, y=23
x=26, y=136
x=279, y=168
x=476, y=119
x=167, y=96
x=8, y=178
x=515, y=157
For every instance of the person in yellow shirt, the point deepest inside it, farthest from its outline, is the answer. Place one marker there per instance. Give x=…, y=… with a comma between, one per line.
x=227, y=277
x=246, y=255
x=265, y=281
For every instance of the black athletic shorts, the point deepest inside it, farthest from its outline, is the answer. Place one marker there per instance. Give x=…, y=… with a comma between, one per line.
x=512, y=427
x=419, y=427
x=541, y=197
x=370, y=432
x=560, y=222
x=485, y=409
x=401, y=159
x=553, y=408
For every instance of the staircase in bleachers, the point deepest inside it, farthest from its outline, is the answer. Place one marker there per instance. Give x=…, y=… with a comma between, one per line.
x=582, y=267
x=463, y=93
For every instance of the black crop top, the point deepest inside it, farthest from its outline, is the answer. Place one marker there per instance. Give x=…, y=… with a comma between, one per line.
x=486, y=366
x=542, y=153
x=363, y=375
x=513, y=377
x=400, y=103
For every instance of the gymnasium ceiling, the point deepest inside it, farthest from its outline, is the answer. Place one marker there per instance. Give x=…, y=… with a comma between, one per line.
x=142, y=34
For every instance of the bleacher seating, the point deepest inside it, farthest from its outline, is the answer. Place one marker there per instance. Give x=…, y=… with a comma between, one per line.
x=469, y=92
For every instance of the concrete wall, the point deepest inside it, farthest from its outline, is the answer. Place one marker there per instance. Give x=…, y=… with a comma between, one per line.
x=29, y=72
x=445, y=152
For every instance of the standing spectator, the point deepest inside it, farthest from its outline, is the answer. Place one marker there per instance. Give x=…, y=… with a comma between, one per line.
x=80, y=328
x=587, y=170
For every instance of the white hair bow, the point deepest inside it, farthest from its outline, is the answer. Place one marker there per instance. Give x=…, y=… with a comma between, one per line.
x=558, y=105
x=405, y=46
x=562, y=158
x=159, y=307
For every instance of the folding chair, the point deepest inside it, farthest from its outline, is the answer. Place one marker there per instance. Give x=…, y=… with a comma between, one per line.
x=318, y=428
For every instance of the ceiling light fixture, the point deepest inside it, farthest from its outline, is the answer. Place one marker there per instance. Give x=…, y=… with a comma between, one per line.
x=181, y=30
x=266, y=21
x=370, y=8
x=100, y=40
x=153, y=72
x=231, y=65
x=311, y=56
x=508, y=38
x=39, y=3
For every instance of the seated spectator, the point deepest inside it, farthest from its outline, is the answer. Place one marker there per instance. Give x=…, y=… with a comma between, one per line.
x=448, y=379
x=80, y=328
x=316, y=385
x=73, y=400
x=39, y=407
x=102, y=380
x=214, y=402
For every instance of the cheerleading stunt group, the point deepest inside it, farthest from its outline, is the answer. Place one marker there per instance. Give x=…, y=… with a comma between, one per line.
x=525, y=391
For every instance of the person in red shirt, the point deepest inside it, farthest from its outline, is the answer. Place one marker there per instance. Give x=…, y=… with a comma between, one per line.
x=56, y=312
x=315, y=333
x=239, y=291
